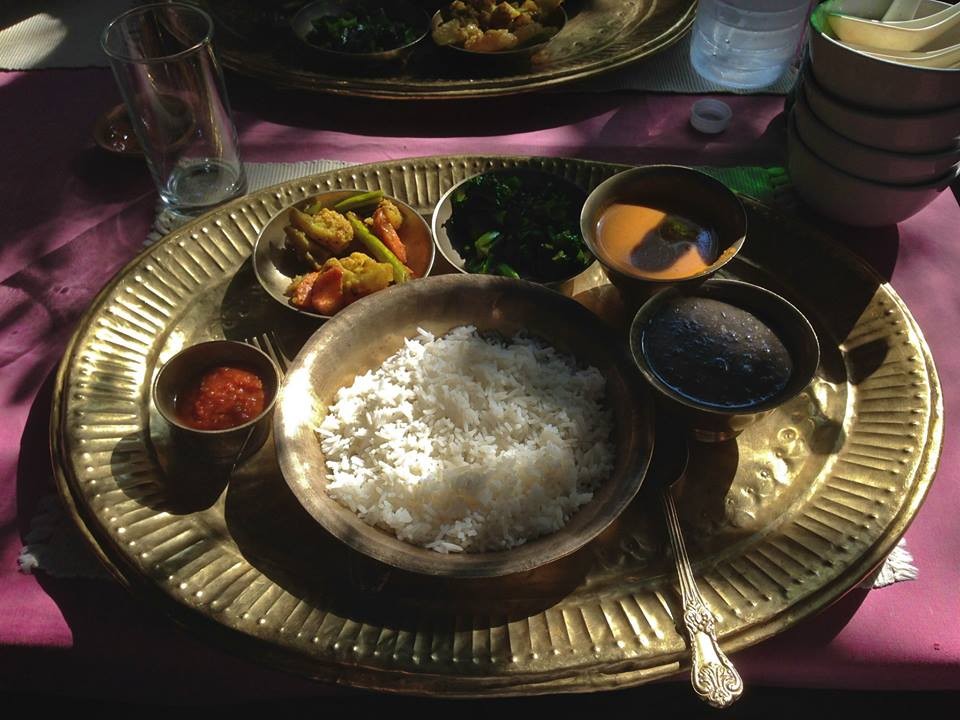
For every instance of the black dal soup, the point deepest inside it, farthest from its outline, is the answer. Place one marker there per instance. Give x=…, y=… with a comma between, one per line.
x=715, y=354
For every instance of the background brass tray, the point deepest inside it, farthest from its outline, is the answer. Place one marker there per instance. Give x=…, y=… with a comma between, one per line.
x=780, y=522
x=601, y=35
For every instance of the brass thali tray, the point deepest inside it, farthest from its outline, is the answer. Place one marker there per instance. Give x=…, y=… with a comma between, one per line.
x=781, y=522
x=253, y=39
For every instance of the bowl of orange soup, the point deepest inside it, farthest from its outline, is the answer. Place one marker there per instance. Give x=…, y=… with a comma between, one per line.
x=660, y=225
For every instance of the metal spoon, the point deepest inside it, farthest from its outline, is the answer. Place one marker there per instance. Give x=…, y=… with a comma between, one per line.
x=713, y=676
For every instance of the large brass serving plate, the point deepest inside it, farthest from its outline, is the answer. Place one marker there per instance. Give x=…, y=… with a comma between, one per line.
x=780, y=522
x=601, y=35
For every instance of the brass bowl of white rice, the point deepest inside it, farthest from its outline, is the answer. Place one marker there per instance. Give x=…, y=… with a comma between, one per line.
x=464, y=426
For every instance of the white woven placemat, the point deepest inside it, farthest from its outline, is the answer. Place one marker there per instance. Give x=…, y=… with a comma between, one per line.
x=66, y=34
x=56, y=33
x=53, y=544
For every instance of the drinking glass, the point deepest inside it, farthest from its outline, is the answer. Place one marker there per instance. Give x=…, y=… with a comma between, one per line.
x=172, y=85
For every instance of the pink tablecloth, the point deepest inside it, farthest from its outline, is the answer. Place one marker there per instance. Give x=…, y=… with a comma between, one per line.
x=71, y=216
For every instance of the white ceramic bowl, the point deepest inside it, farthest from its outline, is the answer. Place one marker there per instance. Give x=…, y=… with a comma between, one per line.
x=867, y=162
x=912, y=133
x=879, y=84
x=852, y=200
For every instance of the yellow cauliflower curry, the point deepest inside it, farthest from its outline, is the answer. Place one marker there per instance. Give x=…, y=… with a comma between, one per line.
x=347, y=255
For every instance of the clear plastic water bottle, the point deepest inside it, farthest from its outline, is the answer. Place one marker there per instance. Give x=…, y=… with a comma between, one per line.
x=746, y=44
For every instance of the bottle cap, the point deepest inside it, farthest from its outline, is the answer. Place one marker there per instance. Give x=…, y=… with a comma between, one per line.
x=710, y=116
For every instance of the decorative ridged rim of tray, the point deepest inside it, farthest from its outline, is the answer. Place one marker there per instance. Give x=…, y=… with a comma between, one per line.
x=601, y=35
x=822, y=491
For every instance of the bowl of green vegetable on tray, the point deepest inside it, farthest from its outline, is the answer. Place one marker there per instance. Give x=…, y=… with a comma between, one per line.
x=330, y=250
x=516, y=223
x=360, y=32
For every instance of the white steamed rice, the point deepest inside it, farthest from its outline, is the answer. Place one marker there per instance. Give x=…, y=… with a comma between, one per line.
x=462, y=443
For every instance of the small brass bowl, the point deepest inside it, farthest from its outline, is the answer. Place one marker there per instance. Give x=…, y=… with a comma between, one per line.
x=531, y=178
x=401, y=10
x=671, y=189
x=275, y=266
x=708, y=422
x=501, y=61
x=215, y=446
x=113, y=131
x=363, y=335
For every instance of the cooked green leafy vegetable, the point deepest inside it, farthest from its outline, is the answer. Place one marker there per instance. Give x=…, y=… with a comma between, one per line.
x=523, y=225
x=363, y=31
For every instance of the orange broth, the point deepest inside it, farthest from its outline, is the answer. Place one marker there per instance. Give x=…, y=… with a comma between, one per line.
x=649, y=243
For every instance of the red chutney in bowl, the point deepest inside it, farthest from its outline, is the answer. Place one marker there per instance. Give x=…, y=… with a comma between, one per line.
x=221, y=398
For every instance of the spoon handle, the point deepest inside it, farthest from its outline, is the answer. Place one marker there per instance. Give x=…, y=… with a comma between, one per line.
x=713, y=676
x=901, y=10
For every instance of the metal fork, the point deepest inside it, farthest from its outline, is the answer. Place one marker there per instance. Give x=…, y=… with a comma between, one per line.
x=267, y=343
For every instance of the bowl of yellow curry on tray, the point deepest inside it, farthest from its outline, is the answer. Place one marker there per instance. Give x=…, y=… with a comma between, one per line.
x=326, y=252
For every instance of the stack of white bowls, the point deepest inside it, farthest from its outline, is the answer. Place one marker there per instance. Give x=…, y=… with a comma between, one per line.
x=872, y=141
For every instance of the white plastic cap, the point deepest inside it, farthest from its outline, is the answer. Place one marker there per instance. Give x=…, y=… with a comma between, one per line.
x=710, y=116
